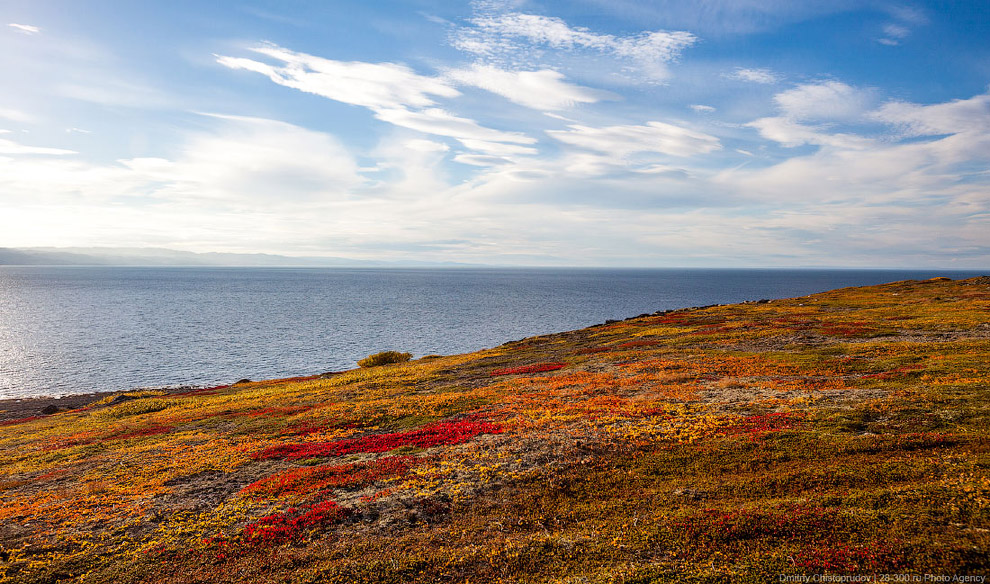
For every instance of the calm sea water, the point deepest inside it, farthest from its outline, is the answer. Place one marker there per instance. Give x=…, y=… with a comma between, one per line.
x=67, y=330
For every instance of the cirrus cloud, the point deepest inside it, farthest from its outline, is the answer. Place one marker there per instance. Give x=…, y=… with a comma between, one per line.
x=510, y=38
x=25, y=28
x=622, y=140
x=544, y=89
x=372, y=85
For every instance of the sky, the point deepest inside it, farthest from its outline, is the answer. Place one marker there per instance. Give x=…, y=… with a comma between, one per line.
x=701, y=133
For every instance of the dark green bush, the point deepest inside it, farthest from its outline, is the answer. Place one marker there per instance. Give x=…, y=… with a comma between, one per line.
x=384, y=358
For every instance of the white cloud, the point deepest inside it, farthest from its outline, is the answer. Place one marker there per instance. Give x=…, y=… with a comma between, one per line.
x=247, y=179
x=442, y=123
x=543, y=90
x=497, y=148
x=651, y=137
x=110, y=91
x=957, y=116
x=790, y=133
x=896, y=31
x=480, y=160
x=907, y=14
x=765, y=76
x=420, y=145
x=11, y=147
x=915, y=176
x=15, y=115
x=394, y=93
x=25, y=28
x=826, y=100
x=508, y=38
x=702, y=109
x=415, y=167
x=559, y=117
x=266, y=159
x=372, y=85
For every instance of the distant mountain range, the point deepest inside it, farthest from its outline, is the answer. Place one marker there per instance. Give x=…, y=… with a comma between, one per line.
x=152, y=256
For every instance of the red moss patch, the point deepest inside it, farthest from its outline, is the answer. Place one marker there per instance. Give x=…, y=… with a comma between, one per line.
x=537, y=368
x=293, y=523
x=764, y=423
x=845, y=558
x=636, y=344
x=20, y=420
x=592, y=350
x=437, y=434
x=304, y=481
x=151, y=431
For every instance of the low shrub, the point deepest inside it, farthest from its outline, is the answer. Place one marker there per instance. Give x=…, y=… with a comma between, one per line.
x=384, y=358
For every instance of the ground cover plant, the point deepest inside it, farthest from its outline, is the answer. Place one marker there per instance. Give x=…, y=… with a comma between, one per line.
x=839, y=433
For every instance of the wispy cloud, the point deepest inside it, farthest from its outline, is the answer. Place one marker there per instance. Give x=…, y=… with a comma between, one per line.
x=825, y=100
x=395, y=93
x=822, y=102
x=970, y=116
x=650, y=137
x=893, y=34
x=702, y=109
x=791, y=133
x=721, y=17
x=15, y=115
x=544, y=89
x=898, y=170
x=905, y=18
x=25, y=28
x=372, y=85
x=754, y=75
x=439, y=122
x=11, y=147
x=509, y=39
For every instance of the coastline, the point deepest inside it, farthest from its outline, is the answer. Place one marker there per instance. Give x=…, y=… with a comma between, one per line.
x=36, y=406
x=128, y=328
x=27, y=407
x=752, y=433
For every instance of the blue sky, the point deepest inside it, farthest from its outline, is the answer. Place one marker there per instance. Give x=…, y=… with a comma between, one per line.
x=588, y=132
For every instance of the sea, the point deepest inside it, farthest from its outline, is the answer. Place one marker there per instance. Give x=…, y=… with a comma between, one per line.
x=72, y=330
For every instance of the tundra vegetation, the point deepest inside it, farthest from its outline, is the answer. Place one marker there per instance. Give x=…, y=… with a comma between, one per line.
x=844, y=433
x=384, y=358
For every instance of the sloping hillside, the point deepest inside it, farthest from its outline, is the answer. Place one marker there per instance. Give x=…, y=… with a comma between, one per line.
x=844, y=432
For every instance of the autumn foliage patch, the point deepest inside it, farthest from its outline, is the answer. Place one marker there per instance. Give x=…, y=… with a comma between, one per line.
x=440, y=433
x=538, y=368
x=293, y=523
x=307, y=480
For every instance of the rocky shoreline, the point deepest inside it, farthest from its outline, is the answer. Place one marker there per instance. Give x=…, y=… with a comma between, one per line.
x=28, y=407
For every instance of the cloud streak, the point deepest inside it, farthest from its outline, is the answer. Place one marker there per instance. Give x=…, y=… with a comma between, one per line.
x=624, y=140
x=11, y=147
x=544, y=89
x=371, y=85
x=25, y=28
x=395, y=93
x=764, y=76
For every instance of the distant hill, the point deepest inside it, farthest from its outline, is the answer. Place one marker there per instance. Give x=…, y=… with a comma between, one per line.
x=151, y=256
